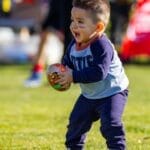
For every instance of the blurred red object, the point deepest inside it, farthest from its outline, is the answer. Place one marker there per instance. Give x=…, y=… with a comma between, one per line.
x=137, y=39
x=29, y=1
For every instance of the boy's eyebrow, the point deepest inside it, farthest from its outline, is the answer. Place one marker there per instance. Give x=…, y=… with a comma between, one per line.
x=78, y=18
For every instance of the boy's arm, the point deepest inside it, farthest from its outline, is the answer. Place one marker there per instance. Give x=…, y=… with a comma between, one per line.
x=66, y=58
x=99, y=67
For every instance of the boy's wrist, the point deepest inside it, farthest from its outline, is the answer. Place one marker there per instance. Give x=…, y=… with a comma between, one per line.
x=71, y=75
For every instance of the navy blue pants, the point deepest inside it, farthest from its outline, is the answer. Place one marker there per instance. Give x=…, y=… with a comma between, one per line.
x=109, y=110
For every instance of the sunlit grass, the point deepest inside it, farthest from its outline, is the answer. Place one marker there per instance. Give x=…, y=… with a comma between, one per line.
x=37, y=118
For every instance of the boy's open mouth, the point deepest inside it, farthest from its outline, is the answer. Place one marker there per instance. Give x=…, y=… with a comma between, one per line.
x=76, y=34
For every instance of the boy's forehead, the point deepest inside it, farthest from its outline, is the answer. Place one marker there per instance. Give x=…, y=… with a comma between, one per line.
x=79, y=11
x=81, y=14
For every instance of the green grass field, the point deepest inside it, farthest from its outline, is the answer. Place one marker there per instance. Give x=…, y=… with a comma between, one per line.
x=36, y=119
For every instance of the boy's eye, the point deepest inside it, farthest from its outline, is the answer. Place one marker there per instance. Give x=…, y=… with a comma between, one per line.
x=80, y=21
x=72, y=20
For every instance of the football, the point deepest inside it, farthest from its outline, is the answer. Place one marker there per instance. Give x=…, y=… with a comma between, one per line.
x=53, y=74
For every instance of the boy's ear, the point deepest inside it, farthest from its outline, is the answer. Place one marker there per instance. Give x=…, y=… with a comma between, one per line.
x=100, y=26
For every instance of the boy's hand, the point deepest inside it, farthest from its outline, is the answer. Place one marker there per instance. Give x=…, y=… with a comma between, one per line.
x=65, y=78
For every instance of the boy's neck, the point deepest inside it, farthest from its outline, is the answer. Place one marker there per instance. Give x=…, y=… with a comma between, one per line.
x=85, y=44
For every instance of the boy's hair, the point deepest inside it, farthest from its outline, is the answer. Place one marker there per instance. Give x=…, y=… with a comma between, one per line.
x=99, y=9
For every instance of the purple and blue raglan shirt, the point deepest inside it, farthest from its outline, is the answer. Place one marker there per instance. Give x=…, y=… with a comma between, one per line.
x=97, y=68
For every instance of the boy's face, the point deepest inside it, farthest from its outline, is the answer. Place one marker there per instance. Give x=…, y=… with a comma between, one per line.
x=82, y=26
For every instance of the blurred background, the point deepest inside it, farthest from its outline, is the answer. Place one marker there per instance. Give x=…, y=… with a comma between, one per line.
x=20, y=25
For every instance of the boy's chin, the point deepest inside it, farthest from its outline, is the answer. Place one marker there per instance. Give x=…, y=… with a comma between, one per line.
x=79, y=41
